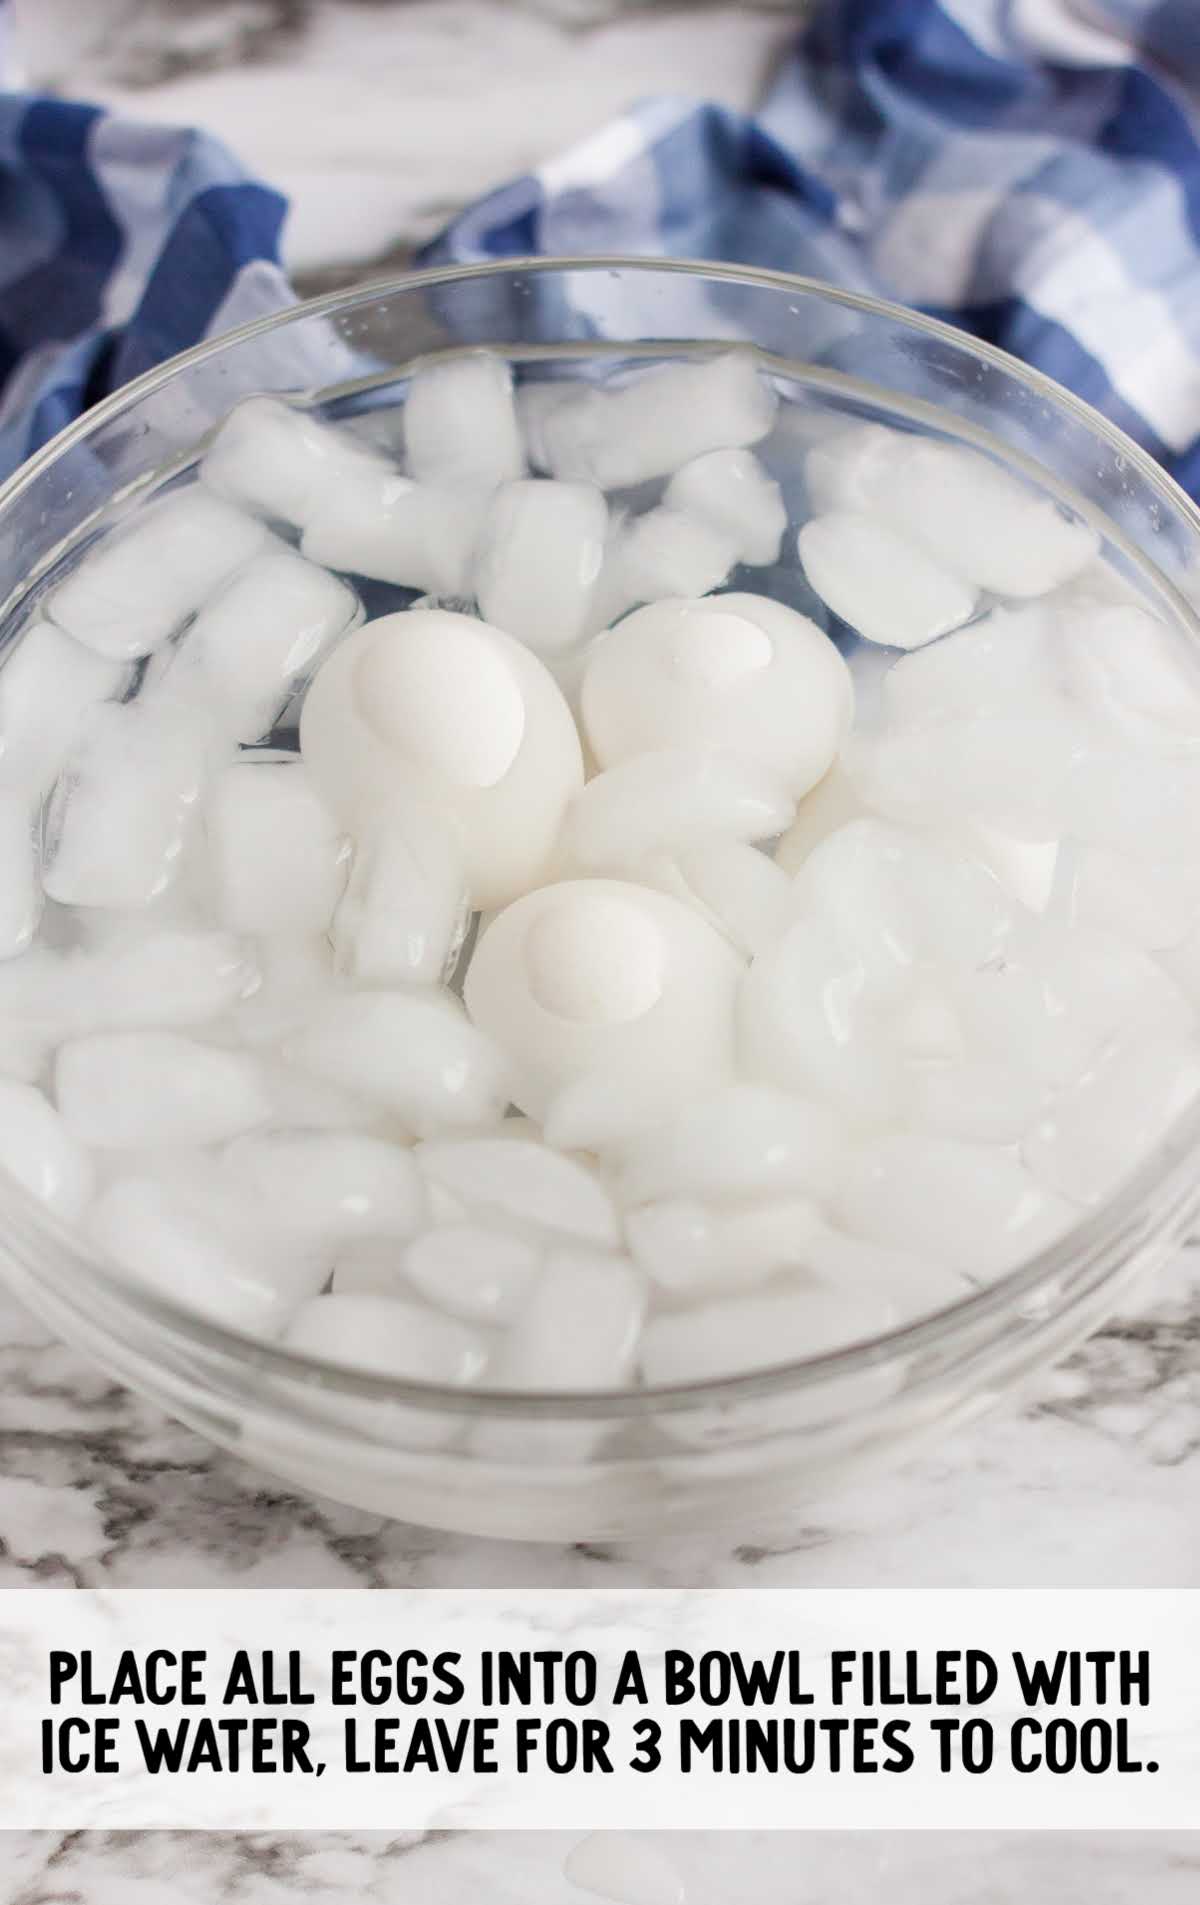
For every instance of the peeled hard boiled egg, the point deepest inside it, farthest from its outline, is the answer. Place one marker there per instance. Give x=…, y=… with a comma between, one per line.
x=735, y=673
x=602, y=975
x=445, y=707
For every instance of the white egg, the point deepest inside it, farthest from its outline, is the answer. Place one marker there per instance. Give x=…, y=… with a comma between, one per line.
x=739, y=673
x=592, y=973
x=443, y=707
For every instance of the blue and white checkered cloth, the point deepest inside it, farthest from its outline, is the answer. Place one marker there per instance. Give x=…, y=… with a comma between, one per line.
x=1027, y=169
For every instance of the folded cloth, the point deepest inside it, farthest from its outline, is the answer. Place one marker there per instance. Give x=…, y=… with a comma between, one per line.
x=1027, y=169
x=120, y=244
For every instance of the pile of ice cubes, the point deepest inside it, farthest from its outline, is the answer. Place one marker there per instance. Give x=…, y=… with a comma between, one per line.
x=553, y=983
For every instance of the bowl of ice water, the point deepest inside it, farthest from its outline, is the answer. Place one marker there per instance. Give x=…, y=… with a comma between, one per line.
x=600, y=888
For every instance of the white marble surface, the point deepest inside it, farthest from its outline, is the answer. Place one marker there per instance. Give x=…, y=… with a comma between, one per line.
x=380, y=120
x=1091, y=1483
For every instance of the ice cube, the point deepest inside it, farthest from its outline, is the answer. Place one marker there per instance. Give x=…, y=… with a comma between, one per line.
x=404, y=913
x=971, y=1206
x=624, y=1866
x=121, y=817
x=534, y=404
x=1132, y=670
x=383, y=525
x=1182, y=964
x=480, y=1274
x=608, y=1109
x=138, y=584
x=25, y=1052
x=280, y=461
x=849, y=468
x=904, y=1286
x=894, y=898
x=1060, y=995
x=984, y=524
x=761, y=1331
x=1028, y=870
x=740, y=1142
x=280, y=859
x=460, y=425
x=828, y=806
x=123, y=1090
x=730, y=490
x=41, y=1153
x=978, y=520
x=48, y=686
x=740, y=890
x=735, y=672
x=387, y=1336
x=156, y=979
x=525, y=1182
x=688, y=1248
x=330, y=1186
x=664, y=552
x=253, y=642
x=368, y=1267
x=295, y=971
x=804, y=1024
x=669, y=800
x=1131, y=800
x=1153, y=903
x=442, y=707
x=1107, y=1122
x=300, y=1102
x=658, y=421
x=538, y=560
x=180, y=1235
x=985, y=1100
x=598, y=975
x=412, y=1051
x=1017, y=775
x=1004, y=664
x=578, y=1327
x=32, y=1016
x=20, y=882
x=886, y=588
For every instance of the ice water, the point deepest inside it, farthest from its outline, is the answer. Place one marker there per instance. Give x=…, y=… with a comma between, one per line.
x=627, y=870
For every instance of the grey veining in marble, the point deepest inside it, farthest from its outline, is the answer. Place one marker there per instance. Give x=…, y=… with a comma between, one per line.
x=381, y=118
x=1092, y=1483
x=751, y=1868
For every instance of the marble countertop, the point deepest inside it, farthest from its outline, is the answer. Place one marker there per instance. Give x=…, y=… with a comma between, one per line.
x=380, y=120
x=1091, y=1482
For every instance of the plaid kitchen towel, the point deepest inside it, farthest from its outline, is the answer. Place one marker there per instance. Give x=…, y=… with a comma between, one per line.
x=120, y=244
x=1027, y=169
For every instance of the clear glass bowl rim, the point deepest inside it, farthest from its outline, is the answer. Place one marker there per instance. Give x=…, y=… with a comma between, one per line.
x=1097, y=1235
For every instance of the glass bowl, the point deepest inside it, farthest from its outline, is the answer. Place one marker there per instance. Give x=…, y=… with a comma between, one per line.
x=745, y=1449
